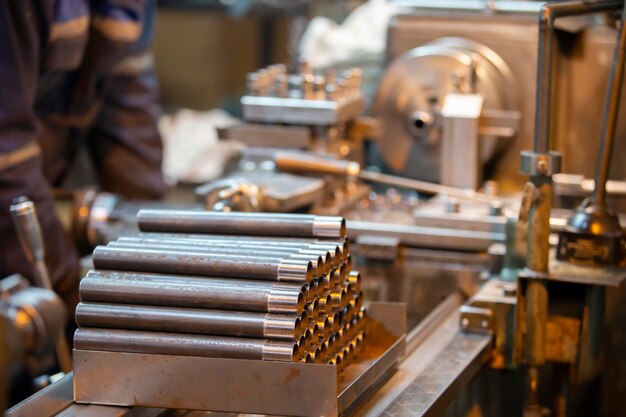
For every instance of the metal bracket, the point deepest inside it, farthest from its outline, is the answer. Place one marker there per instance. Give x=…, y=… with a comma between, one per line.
x=476, y=320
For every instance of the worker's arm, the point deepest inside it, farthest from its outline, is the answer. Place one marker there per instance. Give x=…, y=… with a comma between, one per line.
x=125, y=143
x=23, y=28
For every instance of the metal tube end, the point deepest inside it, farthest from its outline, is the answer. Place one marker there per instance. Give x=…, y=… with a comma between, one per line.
x=325, y=304
x=336, y=321
x=320, y=288
x=343, y=273
x=348, y=263
x=356, y=302
x=277, y=326
x=320, y=267
x=274, y=350
x=321, y=356
x=335, y=299
x=328, y=262
x=285, y=300
x=354, y=278
x=304, y=320
x=345, y=248
x=338, y=257
x=326, y=326
x=294, y=270
x=329, y=227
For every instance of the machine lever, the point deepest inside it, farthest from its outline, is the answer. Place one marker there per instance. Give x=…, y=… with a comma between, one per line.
x=29, y=233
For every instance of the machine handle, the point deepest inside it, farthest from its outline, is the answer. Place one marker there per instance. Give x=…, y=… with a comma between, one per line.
x=29, y=233
x=302, y=163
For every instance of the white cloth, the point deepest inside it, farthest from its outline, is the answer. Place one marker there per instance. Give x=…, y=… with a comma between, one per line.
x=362, y=34
x=191, y=149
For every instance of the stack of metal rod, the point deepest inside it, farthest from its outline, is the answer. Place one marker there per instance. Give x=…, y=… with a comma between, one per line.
x=260, y=286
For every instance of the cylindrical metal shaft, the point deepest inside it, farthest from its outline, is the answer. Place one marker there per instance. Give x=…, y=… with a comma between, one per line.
x=319, y=264
x=337, y=249
x=265, y=224
x=198, y=292
x=157, y=343
x=611, y=113
x=201, y=263
x=189, y=320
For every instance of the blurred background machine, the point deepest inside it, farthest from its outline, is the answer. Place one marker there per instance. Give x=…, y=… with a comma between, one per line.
x=512, y=303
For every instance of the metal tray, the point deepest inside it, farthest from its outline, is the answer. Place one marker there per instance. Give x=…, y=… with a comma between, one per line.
x=242, y=386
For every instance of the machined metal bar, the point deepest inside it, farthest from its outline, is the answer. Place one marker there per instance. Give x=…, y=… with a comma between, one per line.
x=333, y=250
x=320, y=265
x=547, y=15
x=189, y=320
x=197, y=292
x=246, y=238
x=611, y=111
x=201, y=263
x=131, y=341
x=265, y=224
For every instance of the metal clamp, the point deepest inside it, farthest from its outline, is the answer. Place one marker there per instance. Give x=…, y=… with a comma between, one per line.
x=535, y=164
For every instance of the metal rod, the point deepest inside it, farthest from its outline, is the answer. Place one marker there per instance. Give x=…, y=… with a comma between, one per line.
x=200, y=263
x=197, y=292
x=185, y=345
x=427, y=187
x=270, y=240
x=265, y=224
x=293, y=162
x=548, y=14
x=319, y=264
x=610, y=116
x=337, y=249
x=189, y=320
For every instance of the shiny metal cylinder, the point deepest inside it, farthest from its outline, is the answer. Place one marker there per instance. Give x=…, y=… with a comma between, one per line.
x=338, y=299
x=197, y=292
x=188, y=320
x=185, y=345
x=317, y=287
x=264, y=224
x=354, y=278
x=319, y=261
x=357, y=302
x=324, y=304
x=335, y=321
x=341, y=276
x=312, y=310
x=200, y=263
x=337, y=248
x=325, y=326
x=330, y=280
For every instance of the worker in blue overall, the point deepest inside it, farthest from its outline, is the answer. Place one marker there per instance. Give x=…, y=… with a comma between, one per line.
x=74, y=73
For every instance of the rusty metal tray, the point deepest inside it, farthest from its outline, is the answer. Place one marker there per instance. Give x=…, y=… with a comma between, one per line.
x=242, y=386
